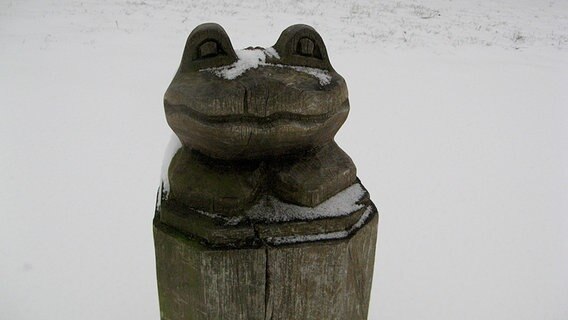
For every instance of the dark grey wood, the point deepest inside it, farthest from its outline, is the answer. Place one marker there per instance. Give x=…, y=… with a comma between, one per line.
x=312, y=280
x=246, y=229
x=263, y=216
x=301, y=45
x=213, y=186
x=198, y=283
x=244, y=118
x=267, y=111
x=322, y=280
x=311, y=180
x=207, y=46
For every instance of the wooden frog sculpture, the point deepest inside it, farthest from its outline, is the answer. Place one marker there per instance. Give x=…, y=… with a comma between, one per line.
x=260, y=213
x=256, y=122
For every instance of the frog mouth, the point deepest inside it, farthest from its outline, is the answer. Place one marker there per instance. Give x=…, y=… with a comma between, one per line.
x=251, y=136
x=251, y=119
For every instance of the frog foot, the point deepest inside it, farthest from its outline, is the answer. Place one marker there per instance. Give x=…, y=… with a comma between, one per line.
x=314, y=177
x=213, y=186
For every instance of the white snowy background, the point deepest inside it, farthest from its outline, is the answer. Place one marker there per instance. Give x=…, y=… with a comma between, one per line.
x=458, y=127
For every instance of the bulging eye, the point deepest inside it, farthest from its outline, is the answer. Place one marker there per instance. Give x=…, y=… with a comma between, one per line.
x=305, y=47
x=301, y=45
x=208, y=46
x=308, y=48
x=208, y=49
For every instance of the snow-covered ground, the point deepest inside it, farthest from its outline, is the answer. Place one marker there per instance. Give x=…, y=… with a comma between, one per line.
x=458, y=126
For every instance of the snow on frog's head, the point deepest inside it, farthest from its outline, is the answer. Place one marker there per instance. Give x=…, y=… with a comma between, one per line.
x=256, y=102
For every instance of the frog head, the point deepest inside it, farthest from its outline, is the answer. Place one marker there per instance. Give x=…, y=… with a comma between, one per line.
x=255, y=103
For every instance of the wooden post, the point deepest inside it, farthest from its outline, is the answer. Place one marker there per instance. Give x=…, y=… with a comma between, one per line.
x=260, y=215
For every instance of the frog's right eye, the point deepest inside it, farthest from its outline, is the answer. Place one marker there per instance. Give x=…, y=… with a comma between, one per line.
x=307, y=48
x=207, y=46
x=301, y=45
x=208, y=49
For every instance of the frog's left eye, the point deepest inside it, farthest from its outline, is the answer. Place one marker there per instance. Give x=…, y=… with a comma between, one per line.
x=208, y=49
x=207, y=46
x=301, y=45
x=306, y=47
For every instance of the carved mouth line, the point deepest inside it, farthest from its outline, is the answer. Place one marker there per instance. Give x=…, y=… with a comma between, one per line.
x=254, y=119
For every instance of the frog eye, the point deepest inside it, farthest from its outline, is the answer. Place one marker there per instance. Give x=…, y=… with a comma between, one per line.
x=208, y=49
x=207, y=46
x=307, y=48
x=301, y=45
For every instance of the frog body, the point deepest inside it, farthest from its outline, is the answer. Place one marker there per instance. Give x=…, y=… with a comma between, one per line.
x=268, y=128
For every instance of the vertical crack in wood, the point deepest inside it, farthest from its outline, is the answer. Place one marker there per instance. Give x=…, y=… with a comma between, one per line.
x=245, y=100
x=268, y=312
x=266, y=96
x=267, y=299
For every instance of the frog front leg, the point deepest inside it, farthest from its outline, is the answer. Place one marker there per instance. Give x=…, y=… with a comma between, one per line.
x=313, y=177
x=214, y=186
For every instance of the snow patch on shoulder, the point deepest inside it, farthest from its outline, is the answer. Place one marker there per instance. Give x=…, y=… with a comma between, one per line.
x=271, y=53
x=173, y=146
x=253, y=58
x=270, y=209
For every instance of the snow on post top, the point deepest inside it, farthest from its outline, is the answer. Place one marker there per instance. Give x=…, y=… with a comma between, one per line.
x=270, y=209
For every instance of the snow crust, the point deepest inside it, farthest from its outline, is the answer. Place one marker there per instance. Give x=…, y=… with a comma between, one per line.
x=173, y=146
x=253, y=58
x=229, y=221
x=271, y=53
x=271, y=209
x=323, y=236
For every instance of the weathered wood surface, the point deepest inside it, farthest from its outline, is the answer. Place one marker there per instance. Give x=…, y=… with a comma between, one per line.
x=195, y=282
x=260, y=214
x=268, y=111
x=322, y=280
x=315, y=280
x=246, y=228
x=306, y=179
